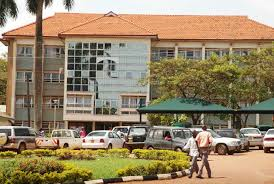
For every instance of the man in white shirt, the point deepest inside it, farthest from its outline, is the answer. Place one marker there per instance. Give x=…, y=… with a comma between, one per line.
x=193, y=152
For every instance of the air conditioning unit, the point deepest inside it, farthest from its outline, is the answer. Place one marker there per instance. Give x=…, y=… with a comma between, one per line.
x=114, y=74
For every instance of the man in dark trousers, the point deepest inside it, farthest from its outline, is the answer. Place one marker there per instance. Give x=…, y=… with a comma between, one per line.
x=204, y=139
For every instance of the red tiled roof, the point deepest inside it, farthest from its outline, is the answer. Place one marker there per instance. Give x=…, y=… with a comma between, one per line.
x=185, y=27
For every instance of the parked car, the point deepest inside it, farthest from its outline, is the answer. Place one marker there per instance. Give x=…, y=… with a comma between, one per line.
x=268, y=140
x=121, y=130
x=231, y=133
x=264, y=128
x=157, y=138
x=102, y=139
x=136, y=136
x=17, y=138
x=222, y=145
x=60, y=138
x=254, y=135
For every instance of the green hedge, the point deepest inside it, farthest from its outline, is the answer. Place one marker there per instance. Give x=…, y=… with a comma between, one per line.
x=165, y=162
x=123, y=153
x=163, y=155
x=44, y=171
x=8, y=154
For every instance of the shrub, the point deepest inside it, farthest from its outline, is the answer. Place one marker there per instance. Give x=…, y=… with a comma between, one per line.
x=119, y=153
x=8, y=154
x=75, y=175
x=163, y=155
x=100, y=153
x=64, y=154
x=156, y=167
x=44, y=152
x=27, y=153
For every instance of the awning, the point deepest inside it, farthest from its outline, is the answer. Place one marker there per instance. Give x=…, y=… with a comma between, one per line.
x=265, y=107
x=185, y=105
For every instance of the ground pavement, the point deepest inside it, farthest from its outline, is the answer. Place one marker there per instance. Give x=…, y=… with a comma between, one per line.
x=254, y=167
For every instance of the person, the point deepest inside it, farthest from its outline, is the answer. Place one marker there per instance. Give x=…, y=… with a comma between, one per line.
x=204, y=139
x=83, y=133
x=167, y=136
x=41, y=133
x=193, y=152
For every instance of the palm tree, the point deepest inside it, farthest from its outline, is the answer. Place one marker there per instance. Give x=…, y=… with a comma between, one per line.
x=36, y=7
x=8, y=8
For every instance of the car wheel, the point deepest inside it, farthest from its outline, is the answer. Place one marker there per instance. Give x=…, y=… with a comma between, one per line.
x=66, y=145
x=178, y=149
x=260, y=147
x=150, y=148
x=266, y=150
x=230, y=152
x=221, y=149
x=109, y=146
x=22, y=147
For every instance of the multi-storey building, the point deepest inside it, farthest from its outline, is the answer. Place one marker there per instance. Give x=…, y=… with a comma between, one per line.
x=93, y=63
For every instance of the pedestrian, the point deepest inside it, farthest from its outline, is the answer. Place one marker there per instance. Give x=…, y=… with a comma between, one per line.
x=167, y=136
x=83, y=133
x=204, y=139
x=193, y=152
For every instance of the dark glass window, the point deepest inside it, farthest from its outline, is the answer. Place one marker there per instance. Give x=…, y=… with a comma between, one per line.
x=92, y=74
x=77, y=60
x=70, y=60
x=92, y=67
x=77, y=73
x=70, y=66
x=78, y=67
x=93, y=60
x=78, y=45
x=93, y=46
x=70, y=80
x=21, y=132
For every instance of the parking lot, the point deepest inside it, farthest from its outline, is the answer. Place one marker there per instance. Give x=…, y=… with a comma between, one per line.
x=253, y=167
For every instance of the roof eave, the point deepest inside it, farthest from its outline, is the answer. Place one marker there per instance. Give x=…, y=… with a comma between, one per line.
x=108, y=36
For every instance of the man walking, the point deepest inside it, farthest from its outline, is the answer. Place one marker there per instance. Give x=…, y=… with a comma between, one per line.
x=204, y=139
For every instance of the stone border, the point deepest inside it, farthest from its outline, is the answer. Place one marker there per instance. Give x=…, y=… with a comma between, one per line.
x=173, y=175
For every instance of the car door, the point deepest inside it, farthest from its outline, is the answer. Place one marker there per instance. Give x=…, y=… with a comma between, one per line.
x=77, y=139
x=157, y=138
x=118, y=141
x=112, y=140
x=166, y=144
x=32, y=136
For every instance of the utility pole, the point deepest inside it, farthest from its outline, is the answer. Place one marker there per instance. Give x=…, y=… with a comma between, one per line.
x=28, y=105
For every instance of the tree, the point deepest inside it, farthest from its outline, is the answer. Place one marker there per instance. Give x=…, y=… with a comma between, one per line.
x=204, y=79
x=8, y=8
x=3, y=79
x=256, y=81
x=36, y=7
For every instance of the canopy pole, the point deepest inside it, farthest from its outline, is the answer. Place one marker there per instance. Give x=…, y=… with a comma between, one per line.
x=140, y=118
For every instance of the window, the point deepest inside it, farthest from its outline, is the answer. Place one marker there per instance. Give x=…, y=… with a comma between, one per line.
x=79, y=101
x=133, y=102
x=6, y=131
x=24, y=51
x=53, y=77
x=143, y=75
x=54, y=52
x=160, y=53
x=190, y=53
x=218, y=52
x=158, y=134
x=129, y=75
x=22, y=76
x=106, y=107
x=242, y=51
x=21, y=132
x=48, y=126
x=22, y=102
x=51, y=102
x=122, y=45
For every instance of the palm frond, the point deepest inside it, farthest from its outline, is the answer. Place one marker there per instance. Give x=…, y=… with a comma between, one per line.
x=48, y=3
x=8, y=8
x=68, y=4
x=31, y=6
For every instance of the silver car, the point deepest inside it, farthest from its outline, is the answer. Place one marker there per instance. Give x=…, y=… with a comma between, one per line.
x=167, y=138
x=17, y=138
x=254, y=135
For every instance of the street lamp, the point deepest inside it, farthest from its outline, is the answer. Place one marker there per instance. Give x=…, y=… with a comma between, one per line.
x=55, y=103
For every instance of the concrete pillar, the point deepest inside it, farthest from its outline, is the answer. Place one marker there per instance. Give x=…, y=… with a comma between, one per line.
x=229, y=124
x=120, y=123
x=203, y=52
x=93, y=126
x=176, y=51
x=66, y=125
x=257, y=119
x=202, y=119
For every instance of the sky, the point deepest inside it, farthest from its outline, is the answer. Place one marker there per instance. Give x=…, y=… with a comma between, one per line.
x=259, y=10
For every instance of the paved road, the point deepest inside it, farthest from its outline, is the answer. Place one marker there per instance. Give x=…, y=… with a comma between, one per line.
x=254, y=167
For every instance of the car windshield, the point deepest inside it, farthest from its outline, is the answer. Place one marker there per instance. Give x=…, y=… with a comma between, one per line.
x=124, y=130
x=251, y=131
x=270, y=132
x=179, y=133
x=96, y=134
x=264, y=128
x=6, y=131
x=214, y=134
x=137, y=131
x=230, y=134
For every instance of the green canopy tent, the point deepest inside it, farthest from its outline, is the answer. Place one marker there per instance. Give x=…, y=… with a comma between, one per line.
x=265, y=107
x=186, y=106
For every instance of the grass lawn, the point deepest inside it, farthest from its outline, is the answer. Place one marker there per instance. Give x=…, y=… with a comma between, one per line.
x=103, y=167
x=106, y=167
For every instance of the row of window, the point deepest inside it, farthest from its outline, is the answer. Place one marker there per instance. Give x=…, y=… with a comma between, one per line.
x=48, y=102
x=93, y=46
x=50, y=51
x=23, y=76
x=195, y=53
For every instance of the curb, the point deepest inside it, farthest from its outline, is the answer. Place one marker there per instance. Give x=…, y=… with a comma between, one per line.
x=173, y=175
